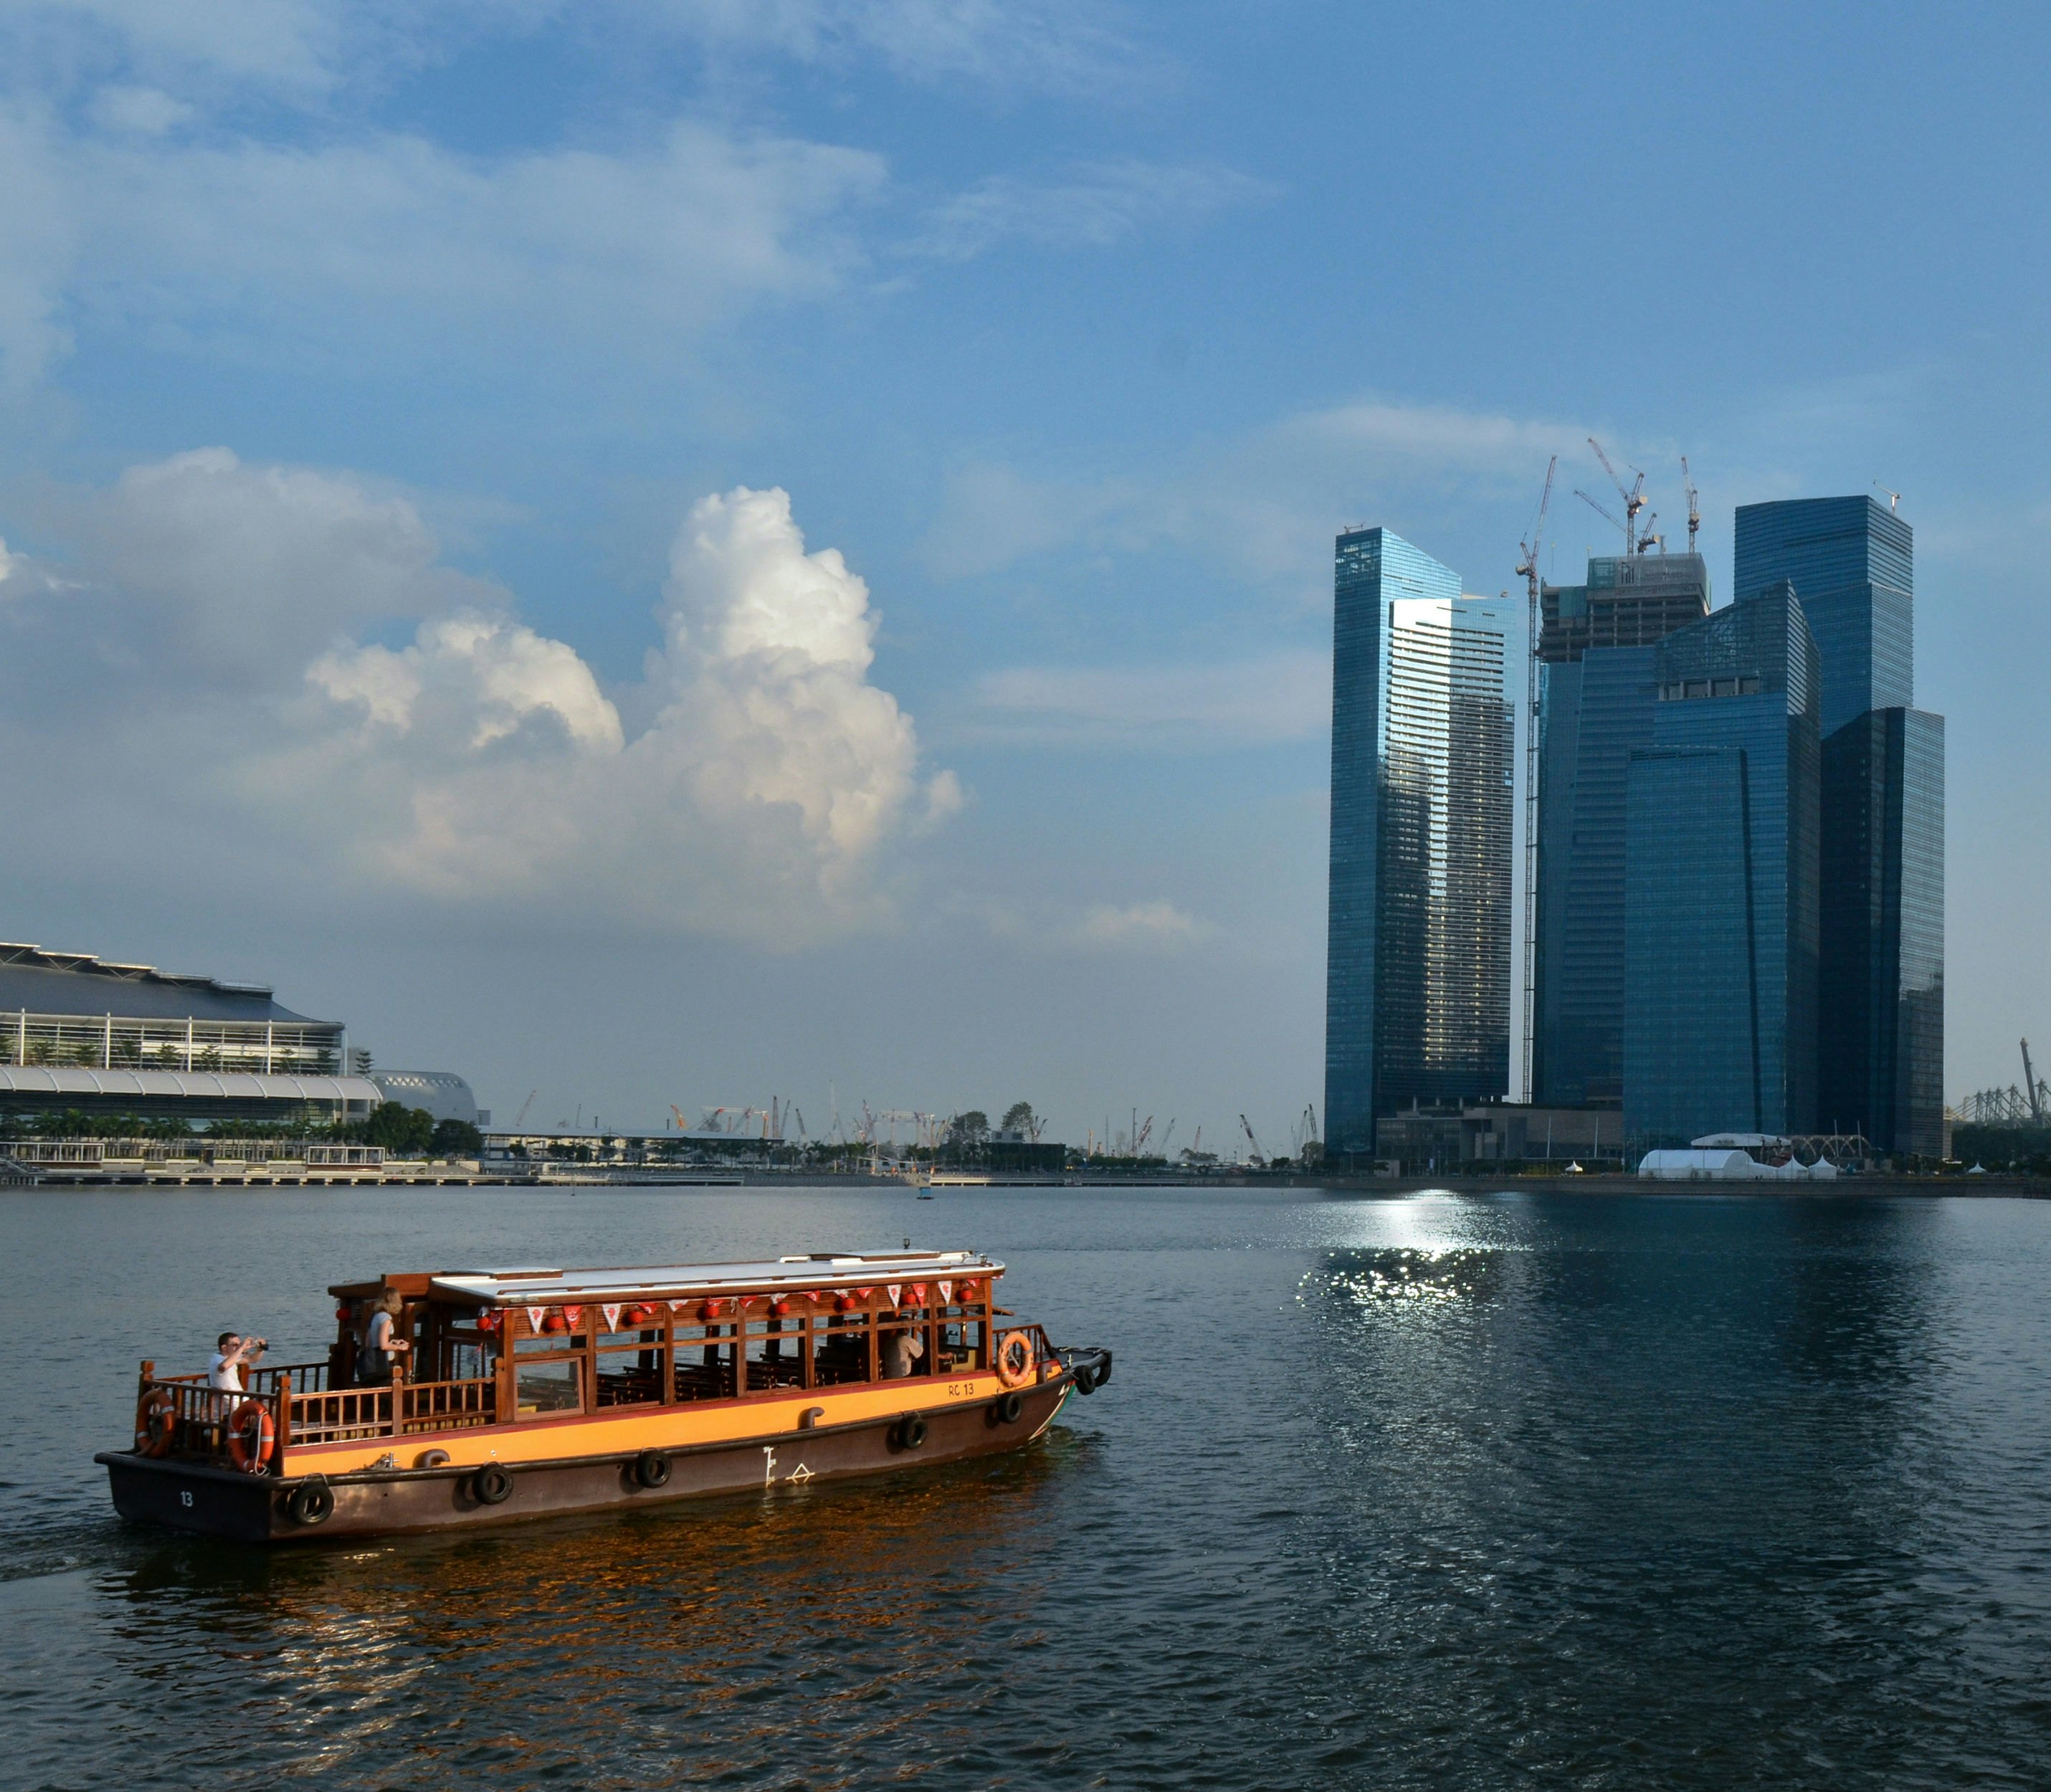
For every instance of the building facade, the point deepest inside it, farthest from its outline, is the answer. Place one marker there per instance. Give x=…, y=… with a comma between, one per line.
x=1881, y=1064
x=1598, y=692
x=1722, y=870
x=79, y=1033
x=1418, y=960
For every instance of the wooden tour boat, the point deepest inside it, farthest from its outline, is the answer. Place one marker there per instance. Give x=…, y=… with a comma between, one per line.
x=529, y=1391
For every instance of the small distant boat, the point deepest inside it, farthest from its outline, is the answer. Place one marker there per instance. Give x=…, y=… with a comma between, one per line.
x=535, y=1392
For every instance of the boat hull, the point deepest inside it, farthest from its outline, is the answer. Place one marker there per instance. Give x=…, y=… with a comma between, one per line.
x=213, y=1502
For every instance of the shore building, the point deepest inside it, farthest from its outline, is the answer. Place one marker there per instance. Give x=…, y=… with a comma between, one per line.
x=79, y=1033
x=440, y=1094
x=1418, y=964
x=1880, y=1068
x=1597, y=693
x=1721, y=887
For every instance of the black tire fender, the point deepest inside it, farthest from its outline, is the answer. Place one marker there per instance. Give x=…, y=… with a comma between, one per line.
x=1104, y=1370
x=1085, y=1378
x=1010, y=1408
x=651, y=1469
x=492, y=1484
x=911, y=1432
x=311, y=1502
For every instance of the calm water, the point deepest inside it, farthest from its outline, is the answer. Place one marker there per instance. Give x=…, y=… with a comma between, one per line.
x=1426, y=1492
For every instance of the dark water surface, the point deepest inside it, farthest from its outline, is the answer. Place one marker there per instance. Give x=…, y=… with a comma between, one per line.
x=1428, y=1492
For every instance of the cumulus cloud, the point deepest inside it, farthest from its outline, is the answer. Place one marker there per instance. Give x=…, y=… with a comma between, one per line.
x=1155, y=928
x=479, y=762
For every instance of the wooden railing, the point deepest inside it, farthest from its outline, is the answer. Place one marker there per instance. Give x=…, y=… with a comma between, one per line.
x=342, y=1415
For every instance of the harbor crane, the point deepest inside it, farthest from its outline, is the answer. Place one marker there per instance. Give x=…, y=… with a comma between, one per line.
x=1139, y=1137
x=1694, y=509
x=2029, y=1084
x=1259, y=1157
x=1527, y=570
x=1634, y=501
x=520, y=1120
x=1167, y=1137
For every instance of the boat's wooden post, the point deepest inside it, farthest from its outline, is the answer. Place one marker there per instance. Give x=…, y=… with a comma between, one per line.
x=874, y=1329
x=398, y=1394
x=284, y=1418
x=665, y=1355
x=809, y=1332
x=505, y=1372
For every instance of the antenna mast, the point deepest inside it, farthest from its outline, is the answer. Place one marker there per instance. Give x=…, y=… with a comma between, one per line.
x=1527, y=570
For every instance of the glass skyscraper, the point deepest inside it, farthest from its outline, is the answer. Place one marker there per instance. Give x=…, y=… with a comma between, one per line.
x=1417, y=966
x=1881, y=1064
x=1722, y=880
x=1851, y=560
x=1597, y=695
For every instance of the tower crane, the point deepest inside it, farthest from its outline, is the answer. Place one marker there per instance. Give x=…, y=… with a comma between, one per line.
x=1527, y=570
x=1167, y=1137
x=1894, y=498
x=2029, y=1086
x=1259, y=1157
x=1694, y=510
x=1140, y=1138
x=1633, y=496
x=520, y=1120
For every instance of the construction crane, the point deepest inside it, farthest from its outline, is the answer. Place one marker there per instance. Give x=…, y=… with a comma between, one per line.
x=1168, y=1137
x=1694, y=510
x=1633, y=496
x=1894, y=498
x=521, y=1120
x=1259, y=1157
x=1527, y=570
x=2029, y=1086
x=1139, y=1138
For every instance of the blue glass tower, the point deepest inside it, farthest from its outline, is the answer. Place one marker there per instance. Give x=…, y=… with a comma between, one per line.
x=1417, y=965
x=1596, y=701
x=1853, y=561
x=1881, y=1064
x=1722, y=886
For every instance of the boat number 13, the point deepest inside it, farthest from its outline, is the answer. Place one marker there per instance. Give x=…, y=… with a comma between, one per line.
x=957, y=1389
x=185, y=1498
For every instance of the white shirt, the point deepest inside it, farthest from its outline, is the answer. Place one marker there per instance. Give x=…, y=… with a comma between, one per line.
x=224, y=1376
x=902, y=1352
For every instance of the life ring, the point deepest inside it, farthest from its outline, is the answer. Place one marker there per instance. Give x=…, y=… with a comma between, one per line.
x=652, y=1468
x=312, y=1502
x=1016, y=1360
x=911, y=1432
x=492, y=1484
x=156, y=1423
x=252, y=1434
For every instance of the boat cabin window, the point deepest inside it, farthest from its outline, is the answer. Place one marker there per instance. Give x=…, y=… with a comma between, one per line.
x=552, y=1386
x=628, y=1368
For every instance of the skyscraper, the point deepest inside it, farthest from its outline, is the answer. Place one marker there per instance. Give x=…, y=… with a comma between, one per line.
x=1596, y=702
x=1722, y=899
x=1417, y=968
x=1881, y=1065
x=1851, y=560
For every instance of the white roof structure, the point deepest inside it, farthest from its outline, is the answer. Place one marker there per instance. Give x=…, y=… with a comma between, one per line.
x=1726, y=1164
x=68, y=1079
x=546, y=1287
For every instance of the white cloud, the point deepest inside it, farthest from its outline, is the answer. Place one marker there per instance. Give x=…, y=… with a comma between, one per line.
x=145, y=111
x=1272, y=697
x=479, y=763
x=1157, y=927
x=395, y=242
x=1096, y=205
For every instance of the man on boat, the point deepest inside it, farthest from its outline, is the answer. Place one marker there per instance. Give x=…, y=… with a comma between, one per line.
x=902, y=1348
x=232, y=1355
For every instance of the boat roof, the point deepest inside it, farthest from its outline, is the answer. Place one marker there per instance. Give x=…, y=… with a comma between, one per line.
x=544, y=1286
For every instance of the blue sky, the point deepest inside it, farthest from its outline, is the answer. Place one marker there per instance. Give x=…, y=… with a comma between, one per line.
x=375, y=393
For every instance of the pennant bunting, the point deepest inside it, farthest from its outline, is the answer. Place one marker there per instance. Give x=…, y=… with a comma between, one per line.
x=893, y=1289
x=611, y=1317
x=535, y=1316
x=947, y=1292
x=573, y=1317
x=919, y=1293
x=678, y=1306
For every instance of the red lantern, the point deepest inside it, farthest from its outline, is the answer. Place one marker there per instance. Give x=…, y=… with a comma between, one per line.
x=554, y=1322
x=638, y=1315
x=966, y=1291
x=843, y=1303
x=342, y=1312
x=487, y=1321
x=779, y=1309
x=708, y=1311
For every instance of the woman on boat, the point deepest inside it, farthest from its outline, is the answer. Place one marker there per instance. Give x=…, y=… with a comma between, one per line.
x=383, y=1345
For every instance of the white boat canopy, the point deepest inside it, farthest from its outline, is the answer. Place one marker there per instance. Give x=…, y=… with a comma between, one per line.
x=538, y=1287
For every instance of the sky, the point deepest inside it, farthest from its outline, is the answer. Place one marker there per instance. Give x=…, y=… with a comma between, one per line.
x=696, y=550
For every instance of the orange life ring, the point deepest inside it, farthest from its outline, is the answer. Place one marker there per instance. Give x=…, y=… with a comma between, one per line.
x=250, y=1452
x=156, y=1423
x=1016, y=1359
